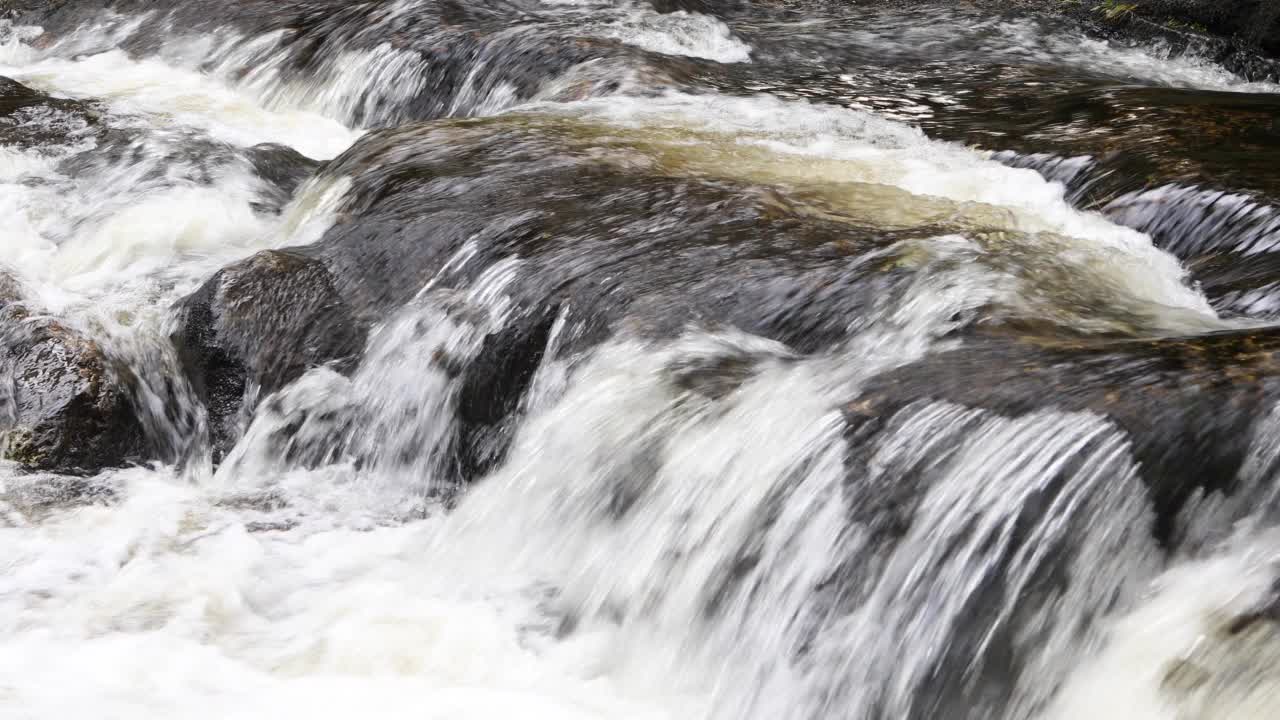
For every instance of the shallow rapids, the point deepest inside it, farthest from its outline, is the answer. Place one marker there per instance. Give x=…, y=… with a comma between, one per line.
x=575, y=359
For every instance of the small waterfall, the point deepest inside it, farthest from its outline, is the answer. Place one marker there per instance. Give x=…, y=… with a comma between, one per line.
x=1190, y=222
x=580, y=359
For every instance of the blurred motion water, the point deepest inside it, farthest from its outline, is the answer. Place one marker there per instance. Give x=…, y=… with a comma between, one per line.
x=593, y=359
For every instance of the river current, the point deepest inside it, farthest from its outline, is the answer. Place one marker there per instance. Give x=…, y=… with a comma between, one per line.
x=683, y=514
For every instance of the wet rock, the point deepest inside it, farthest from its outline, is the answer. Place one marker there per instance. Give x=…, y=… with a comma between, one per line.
x=1132, y=136
x=33, y=497
x=257, y=325
x=1229, y=241
x=32, y=119
x=601, y=246
x=1242, y=35
x=1240, y=285
x=1010, y=77
x=1187, y=404
x=86, y=141
x=64, y=405
x=159, y=162
x=608, y=241
x=1143, y=137
x=281, y=169
x=1139, y=429
x=1247, y=25
x=717, y=8
x=554, y=235
x=1194, y=168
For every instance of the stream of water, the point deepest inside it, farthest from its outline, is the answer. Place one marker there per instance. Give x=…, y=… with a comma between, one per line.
x=730, y=486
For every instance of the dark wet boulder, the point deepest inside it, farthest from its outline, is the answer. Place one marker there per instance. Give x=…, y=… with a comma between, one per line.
x=716, y=8
x=1194, y=168
x=1241, y=35
x=584, y=232
x=1164, y=442
x=545, y=243
x=1229, y=241
x=257, y=325
x=64, y=404
x=281, y=170
x=544, y=236
x=1136, y=137
x=87, y=140
x=190, y=159
x=594, y=227
x=35, y=496
x=1254, y=22
x=32, y=119
x=281, y=166
x=1187, y=405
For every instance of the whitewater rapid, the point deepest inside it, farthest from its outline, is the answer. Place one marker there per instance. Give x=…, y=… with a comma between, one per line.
x=268, y=590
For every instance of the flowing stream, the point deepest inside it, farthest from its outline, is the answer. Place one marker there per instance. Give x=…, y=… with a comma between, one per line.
x=761, y=362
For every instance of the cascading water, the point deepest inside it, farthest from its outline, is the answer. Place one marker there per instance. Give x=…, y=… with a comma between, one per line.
x=481, y=359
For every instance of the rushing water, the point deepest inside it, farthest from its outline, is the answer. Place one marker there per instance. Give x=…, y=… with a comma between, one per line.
x=850, y=375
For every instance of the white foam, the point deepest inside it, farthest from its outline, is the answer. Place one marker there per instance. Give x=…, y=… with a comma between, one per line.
x=164, y=604
x=131, y=228
x=857, y=147
x=679, y=33
x=1155, y=64
x=121, y=233
x=174, y=97
x=956, y=35
x=1175, y=655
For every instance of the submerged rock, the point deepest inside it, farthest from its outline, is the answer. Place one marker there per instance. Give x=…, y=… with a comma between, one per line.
x=1134, y=137
x=32, y=119
x=534, y=238
x=543, y=247
x=88, y=142
x=1187, y=405
x=1007, y=457
x=281, y=169
x=64, y=405
x=34, y=496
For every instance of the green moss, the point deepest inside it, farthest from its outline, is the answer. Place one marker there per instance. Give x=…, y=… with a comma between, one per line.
x=1115, y=10
x=20, y=447
x=1185, y=25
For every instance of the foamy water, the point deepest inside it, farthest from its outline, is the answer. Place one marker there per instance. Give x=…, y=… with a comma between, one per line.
x=598, y=573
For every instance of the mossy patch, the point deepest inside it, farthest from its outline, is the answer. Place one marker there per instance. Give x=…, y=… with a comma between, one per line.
x=1185, y=26
x=1114, y=10
x=19, y=445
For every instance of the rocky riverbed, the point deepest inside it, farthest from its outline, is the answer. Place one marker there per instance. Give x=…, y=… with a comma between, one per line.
x=606, y=359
